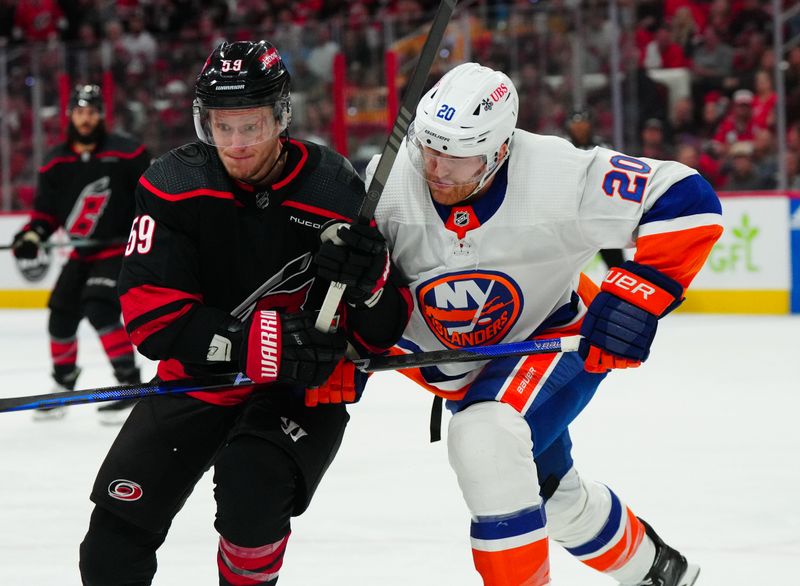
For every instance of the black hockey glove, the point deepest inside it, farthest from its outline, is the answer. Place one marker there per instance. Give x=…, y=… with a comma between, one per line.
x=26, y=244
x=285, y=347
x=358, y=258
x=621, y=322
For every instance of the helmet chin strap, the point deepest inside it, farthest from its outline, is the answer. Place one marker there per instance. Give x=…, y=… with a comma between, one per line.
x=284, y=140
x=488, y=176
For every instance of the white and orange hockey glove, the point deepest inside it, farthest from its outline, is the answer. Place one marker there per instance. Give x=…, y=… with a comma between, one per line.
x=621, y=322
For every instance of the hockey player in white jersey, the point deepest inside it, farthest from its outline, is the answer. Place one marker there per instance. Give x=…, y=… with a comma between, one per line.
x=490, y=226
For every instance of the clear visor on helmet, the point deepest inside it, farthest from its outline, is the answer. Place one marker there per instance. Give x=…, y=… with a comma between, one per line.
x=241, y=127
x=439, y=168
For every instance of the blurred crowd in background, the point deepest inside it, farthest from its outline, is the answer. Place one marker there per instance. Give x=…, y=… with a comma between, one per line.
x=698, y=74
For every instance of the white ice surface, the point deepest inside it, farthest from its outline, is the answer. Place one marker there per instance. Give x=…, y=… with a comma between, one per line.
x=703, y=442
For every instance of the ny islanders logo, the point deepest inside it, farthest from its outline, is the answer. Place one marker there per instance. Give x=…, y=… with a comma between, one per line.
x=470, y=308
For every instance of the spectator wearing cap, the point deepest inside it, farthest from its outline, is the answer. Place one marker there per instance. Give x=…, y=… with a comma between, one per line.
x=738, y=125
x=743, y=174
x=653, y=142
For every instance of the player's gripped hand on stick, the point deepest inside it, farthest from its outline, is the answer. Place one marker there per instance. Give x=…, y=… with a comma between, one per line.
x=621, y=322
x=285, y=347
x=26, y=244
x=339, y=388
x=357, y=257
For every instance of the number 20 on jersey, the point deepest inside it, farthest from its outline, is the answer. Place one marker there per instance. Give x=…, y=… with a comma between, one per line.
x=628, y=179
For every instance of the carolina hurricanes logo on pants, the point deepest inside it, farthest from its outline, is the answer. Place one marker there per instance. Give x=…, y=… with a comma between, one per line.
x=125, y=490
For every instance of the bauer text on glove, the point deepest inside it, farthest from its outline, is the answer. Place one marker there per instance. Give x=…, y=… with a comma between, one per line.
x=621, y=322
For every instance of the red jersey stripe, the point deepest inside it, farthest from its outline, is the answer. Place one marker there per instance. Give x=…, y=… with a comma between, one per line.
x=314, y=210
x=288, y=179
x=140, y=300
x=186, y=194
x=140, y=334
x=120, y=154
x=52, y=163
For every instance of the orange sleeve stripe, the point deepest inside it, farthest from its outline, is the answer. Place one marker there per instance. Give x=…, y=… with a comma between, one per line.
x=679, y=255
x=528, y=565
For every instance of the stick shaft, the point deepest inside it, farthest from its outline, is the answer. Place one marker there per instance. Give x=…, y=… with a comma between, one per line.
x=223, y=381
x=413, y=92
x=475, y=354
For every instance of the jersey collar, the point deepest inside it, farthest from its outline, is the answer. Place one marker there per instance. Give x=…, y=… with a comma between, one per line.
x=462, y=218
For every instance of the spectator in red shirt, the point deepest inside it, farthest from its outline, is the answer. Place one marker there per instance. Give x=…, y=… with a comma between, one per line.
x=38, y=20
x=664, y=53
x=764, y=100
x=738, y=126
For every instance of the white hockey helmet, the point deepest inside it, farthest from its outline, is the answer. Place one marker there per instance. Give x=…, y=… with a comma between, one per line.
x=469, y=114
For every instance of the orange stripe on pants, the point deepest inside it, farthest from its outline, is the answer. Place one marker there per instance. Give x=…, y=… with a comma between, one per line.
x=527, y=565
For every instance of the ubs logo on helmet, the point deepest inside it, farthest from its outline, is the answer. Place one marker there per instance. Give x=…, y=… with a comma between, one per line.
x=499, y=92
x=470, y=308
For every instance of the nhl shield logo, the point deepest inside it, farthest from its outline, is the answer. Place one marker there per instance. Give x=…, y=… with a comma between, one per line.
x=461, y=218
x=470, y=308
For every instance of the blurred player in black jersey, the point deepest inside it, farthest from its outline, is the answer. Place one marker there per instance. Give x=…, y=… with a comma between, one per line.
x=215, y=221
x=86, y=186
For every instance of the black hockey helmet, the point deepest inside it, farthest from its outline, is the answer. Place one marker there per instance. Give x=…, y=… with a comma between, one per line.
x=84, y=96
x=241, y=75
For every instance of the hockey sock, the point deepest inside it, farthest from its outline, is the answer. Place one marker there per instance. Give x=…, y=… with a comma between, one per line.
x=64, y=352
x=621, y=548
x=510, y=550
x=250, y=566
x=118, y=346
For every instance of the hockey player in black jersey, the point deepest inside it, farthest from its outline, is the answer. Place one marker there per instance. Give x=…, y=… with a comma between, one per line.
x=217, y=220
x=86, y=186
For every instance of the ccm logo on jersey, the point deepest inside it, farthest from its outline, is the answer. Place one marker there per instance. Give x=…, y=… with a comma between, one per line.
x=471, y=308
x=637, y=291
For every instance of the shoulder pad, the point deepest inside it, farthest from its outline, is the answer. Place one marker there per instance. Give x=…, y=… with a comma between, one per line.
x=191, y=154
x=333, y=185
x=174, y=174
x=118, y=142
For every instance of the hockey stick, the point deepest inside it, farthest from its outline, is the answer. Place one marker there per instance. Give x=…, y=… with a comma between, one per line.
x=389, y=154
x=62, y=399
x=473, y=354
x=74, y=244
x=222, y=381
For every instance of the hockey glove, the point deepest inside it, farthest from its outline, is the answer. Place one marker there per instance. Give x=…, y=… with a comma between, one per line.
x=285, y=347
x=339, y=388
x=621, y=322
x=357, y=257
x=26, y=244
